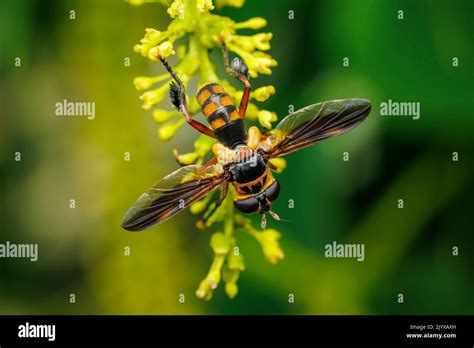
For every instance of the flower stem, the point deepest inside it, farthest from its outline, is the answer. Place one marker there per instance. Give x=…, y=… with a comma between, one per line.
x=229, y=221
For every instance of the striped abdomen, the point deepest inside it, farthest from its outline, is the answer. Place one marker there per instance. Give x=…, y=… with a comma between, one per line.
x=221, y=114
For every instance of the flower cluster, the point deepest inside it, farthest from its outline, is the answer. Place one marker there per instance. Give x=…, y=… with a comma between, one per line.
x=204, y=30
x=192, y=19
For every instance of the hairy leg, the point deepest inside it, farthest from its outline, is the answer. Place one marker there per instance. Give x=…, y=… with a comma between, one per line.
x=178, y=98
x=202, y=222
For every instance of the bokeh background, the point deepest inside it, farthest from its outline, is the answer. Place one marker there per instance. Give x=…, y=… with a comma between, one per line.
x=81, y=250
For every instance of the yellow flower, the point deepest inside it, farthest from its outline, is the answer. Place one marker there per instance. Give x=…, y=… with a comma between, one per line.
x=235, y=262
x=141, y=2
x=252, y=112
x=265, y=118
x=263, y=93
x=270, y=245
x=153, y=97
x=279, y=163
x=142, y=48
x=262, y=41
x=152, y=36
x=231, y=289
x=204, y=5
x=164, y=50
x=221, y=243
x=136, y=2
x=203, y=145
x=167, y=131
x=160, y=115
x=233, y=3
x=250, y=43
x=244, y=42
x=200, y=31
x=200, y=205
x=176, y=8
x=265, y=61
x=143, y=82
x=188, y=158
x=204, y=290
x=253, y=23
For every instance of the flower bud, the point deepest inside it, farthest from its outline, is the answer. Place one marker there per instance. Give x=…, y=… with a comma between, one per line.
x=252, y=112
x=265, y=118
x=213, y=278
x=204, y=5
x=176, y=8
x=221, y=243
x=252, y=23
x=153, y=97
x=199, y=206
x=279, y=163
x=150, y=98
x=265, y=64
x=188, y=158
x=231, y=289
x=270, y=246
x=163, y=50
x=152, y=36
x=235, y=262
x=168, y=130
x=261, y=41
x=263, y=93
x=233, y=3
x=245, y=43
x=204, y=290
x=203, y=145
x=137, y=48
x=144, y=82
x=160, y=115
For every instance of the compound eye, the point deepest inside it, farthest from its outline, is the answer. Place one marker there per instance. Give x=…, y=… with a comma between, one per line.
x=248, y=205
x=273, y=191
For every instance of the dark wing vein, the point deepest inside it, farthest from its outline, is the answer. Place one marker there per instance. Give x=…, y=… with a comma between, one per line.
x=316, y=123
x=162, y=202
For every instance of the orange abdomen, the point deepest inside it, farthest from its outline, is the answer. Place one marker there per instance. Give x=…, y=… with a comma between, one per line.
x=216, y=105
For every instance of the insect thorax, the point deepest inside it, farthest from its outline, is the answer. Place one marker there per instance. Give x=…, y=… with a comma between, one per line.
x=247, y=167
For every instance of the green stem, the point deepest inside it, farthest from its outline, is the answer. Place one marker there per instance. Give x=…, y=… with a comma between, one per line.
x=206, y=70
x=229, y=222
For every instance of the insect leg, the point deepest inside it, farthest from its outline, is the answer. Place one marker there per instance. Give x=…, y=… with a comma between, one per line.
x=211, y=162
x=238, y=69
x=271, y=166
x=202, y=222
x=178, y=98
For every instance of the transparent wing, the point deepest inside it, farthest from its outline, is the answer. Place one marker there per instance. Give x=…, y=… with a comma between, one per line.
x=315, y=123
x=172, y=194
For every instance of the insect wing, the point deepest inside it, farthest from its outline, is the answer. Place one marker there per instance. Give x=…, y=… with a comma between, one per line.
x=315, y=123
x=172, y=194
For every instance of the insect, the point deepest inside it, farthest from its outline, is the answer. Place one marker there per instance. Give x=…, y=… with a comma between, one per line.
x=241, y=157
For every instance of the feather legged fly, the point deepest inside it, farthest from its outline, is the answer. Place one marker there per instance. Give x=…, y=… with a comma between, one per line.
x=241, y=157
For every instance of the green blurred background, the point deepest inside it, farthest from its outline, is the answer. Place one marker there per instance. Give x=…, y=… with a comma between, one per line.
x=81, y=250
